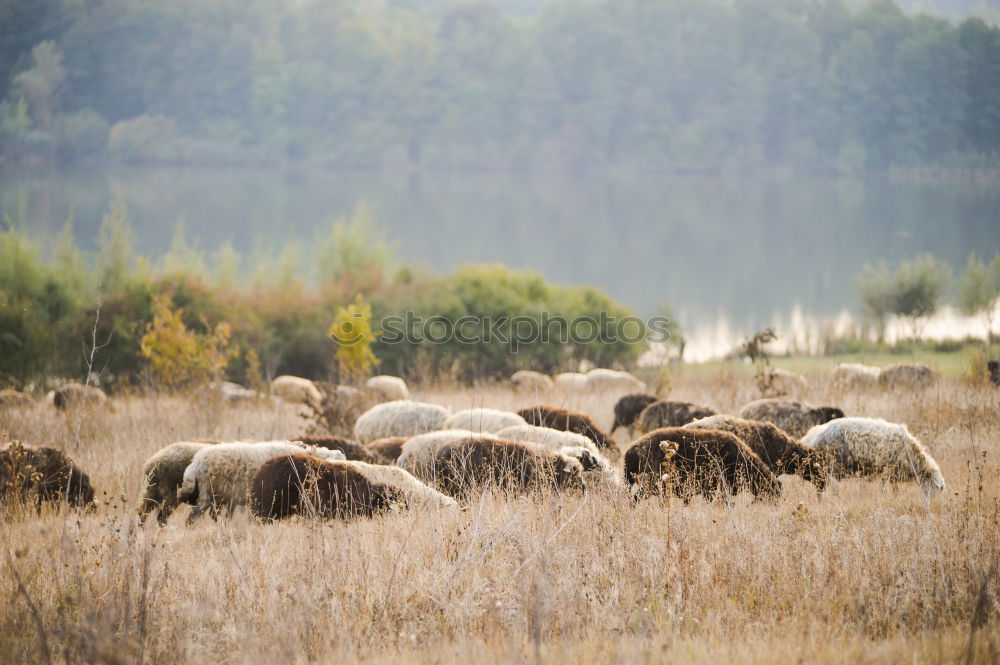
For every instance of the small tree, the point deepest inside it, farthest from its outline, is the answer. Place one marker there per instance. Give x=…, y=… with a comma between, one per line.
x=979, y=290
x=177, y=355
x=352, y=253
x=918, y=287
x=114, y=247
x=351, y=330
x=42, y=83
x=874, y=285
x=674, y=332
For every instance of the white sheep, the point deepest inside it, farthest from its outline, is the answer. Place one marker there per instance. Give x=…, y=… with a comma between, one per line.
x=219, y=475
x=296, y=390
x=230, y=392
x=530, y=381
x=855, y=376
x=604, y=381
x=388, y=388
x=872, y=446
x=571, y=382
x=399, y=418
x=483, y=420
x=162, y=475
x=569, y=442
x=778, y=382
x=417, y=493
x=613, y=382
x=418, y=454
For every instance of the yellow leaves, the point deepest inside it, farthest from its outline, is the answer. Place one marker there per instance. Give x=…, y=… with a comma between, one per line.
x=351, y=330
x=178, y=355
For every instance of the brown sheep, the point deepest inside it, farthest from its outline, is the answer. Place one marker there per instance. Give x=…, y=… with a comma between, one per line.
x=351, y=449
x=780, y=452
x=46, y=473
x=558, y=418
x=668, y=413
x=387, y=450
x=300, y=484
x=510, y=465
x=696, y=461
x=76, y=394
x=628, y=408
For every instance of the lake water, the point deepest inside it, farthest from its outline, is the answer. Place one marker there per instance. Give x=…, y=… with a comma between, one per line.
x=740, y=253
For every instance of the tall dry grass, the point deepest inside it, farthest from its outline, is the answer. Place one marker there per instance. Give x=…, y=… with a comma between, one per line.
x=869, y=572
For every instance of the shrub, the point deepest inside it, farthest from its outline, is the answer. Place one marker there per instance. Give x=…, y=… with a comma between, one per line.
x=351, y=330
x=179, y=356
x=499, y=306
x=34, y=310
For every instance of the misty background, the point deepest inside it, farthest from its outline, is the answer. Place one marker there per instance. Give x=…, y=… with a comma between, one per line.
x=729, y=159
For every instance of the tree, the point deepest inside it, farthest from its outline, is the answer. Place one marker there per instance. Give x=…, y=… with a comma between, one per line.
x=183, y=258
x=352, y=254
x=178, y=355
x=42, y=84
x=114, y=247
x=72, y=274
x=226, y=266
x=351, y=330
x=979, y=290
x=874, y=285
x=673, y=332
x=918, y=287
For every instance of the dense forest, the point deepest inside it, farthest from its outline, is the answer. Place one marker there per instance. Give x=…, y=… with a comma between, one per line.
x=689, y=86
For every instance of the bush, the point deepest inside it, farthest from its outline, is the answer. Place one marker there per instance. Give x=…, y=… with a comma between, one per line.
x=351, y=331
x=179, y=356
x=35, y=308
x=501, y=309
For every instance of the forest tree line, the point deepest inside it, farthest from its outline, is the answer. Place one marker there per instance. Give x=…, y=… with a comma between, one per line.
x=71, y=312
x=688, y=86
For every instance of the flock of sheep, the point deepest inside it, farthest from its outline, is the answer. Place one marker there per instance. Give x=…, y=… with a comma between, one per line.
x=407, y=453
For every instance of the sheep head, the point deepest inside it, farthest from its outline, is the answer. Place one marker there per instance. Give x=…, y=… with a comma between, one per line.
x=569, y=472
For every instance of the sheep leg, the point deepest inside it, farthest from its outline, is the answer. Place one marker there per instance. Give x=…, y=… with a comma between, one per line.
x=166, y=510
x=196, y=512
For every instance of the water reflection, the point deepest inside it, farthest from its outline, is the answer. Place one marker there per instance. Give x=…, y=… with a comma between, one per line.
x=728, y=255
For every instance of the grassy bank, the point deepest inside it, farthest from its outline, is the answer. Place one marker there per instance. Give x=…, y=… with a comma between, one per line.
x=867, y=572
x=952, y=364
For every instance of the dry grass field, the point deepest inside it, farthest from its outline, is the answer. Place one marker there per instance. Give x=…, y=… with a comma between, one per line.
x=868, y=573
